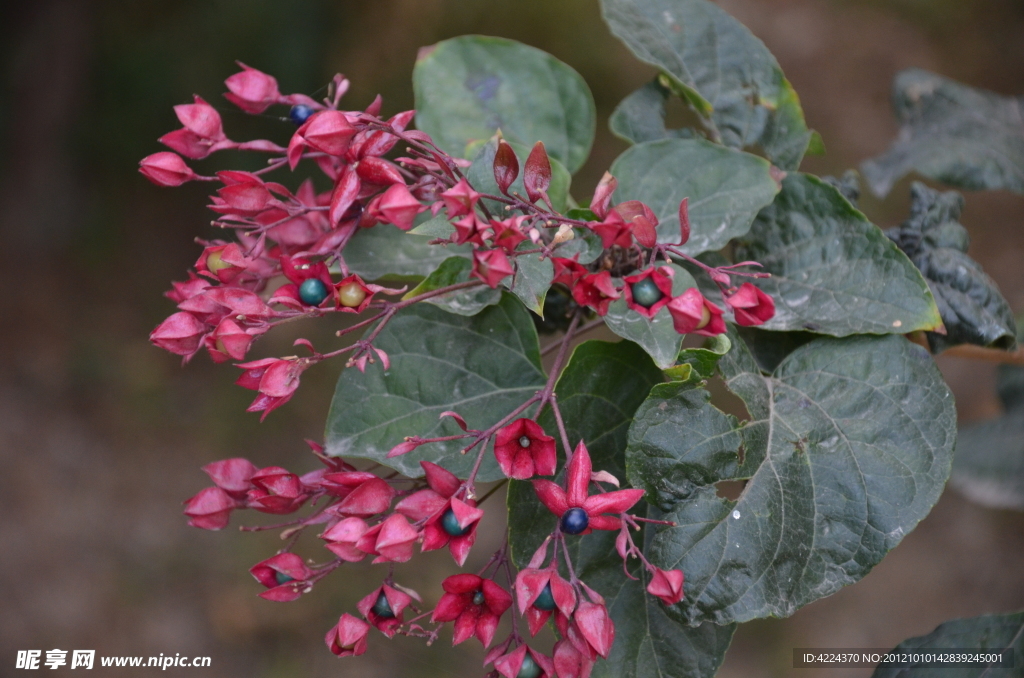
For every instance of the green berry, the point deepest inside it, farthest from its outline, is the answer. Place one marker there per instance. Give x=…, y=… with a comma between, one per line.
x=546, y=600
x=529, y=668
x=646, y=292
x=450, y=524
x=478, y=597
x=282, y=578
x=382, y=608
x=524, y=441
x=312, y=291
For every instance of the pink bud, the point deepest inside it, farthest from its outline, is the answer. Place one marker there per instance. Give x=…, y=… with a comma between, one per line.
x=180, y=334
x=599, y=205
x=201, y=119
x=343, y=537
x=232, y=475
x=684, y=221
x=329, y=132
x=596, y=626
x=210, y=509
x=348, y=637
x=378, y=171
x=666, y=585
x=399, y=207
x=460, y=199
x=750, y=305
x=491, y=266
x=403, y=448
x=506, y=166
x=251, y=90
x=166, y=169
x=537, y=175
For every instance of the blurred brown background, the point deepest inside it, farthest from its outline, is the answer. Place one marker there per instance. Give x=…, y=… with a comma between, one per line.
x=102, y=435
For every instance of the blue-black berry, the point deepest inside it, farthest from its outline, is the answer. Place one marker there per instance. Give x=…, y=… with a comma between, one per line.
x=478, y=597
x=646, y=293
x=300, y=113
x=282, y=578
x=450, y=524
x=575, y=521
x=382, y=608
x=312, y=291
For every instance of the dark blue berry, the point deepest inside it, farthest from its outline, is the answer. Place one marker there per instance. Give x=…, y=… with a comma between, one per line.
x=312, y=291
x=545, y=601
x=300, y=113
x=382, y=608
x=646, y=293
x=529, y=668
x=478, y=597
x=282, y=578
x=451, y=524
x=575, y=520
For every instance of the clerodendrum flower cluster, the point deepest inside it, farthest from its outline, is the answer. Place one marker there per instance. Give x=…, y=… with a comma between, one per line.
x=288, y=262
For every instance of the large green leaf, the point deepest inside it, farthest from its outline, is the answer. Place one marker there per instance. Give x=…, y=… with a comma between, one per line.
x=726, y=188
x=482, y=366
x=988, y=467
x=534, y=273
x=649, y=643
x=833, y=271
x=481, y=175
x=848, y=447
x=455, y=270
x=640, y=116
x=383, y=250
x=718, y=65
x=655, y=335
x=469, y=87
x=952, y=133
x=972, y=308
x=989, y=633
x=598, y=392
x=989, y=464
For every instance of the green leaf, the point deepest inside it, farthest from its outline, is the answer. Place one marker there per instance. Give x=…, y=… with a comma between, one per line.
x=655, y=335
x=833, y=271
x=481, y=175
x=988, y=633
x=848, y=447
x=988, y=467
x=770, y=348
x=383, y=250
x=640, y=116
x=598, y=392
x=532, y=279
x=648, y=642
x=726, y=188
x=463, y=302
x=704, y=360
x=435, y=227
x=961, y=136
x=470, y=87
x=482, y=366
x=989, y=464
x=726, y=73
x=972, y=308
x=584, y=243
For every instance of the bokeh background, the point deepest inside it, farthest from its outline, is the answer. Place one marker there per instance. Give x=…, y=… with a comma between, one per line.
x=102, y=435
